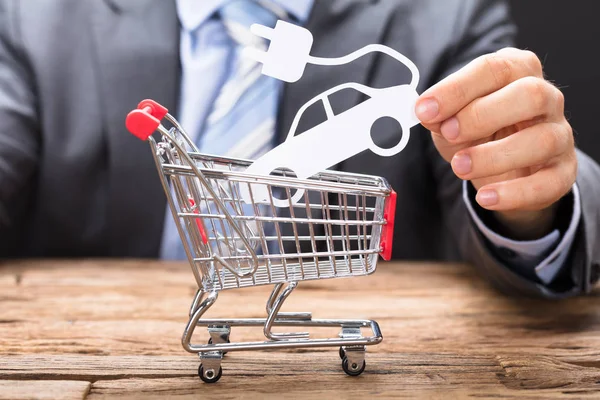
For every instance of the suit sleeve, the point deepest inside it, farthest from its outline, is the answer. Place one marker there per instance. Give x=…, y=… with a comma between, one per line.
x=19, y=134
x=484, y=27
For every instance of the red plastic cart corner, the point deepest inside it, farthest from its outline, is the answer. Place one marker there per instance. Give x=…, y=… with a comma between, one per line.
x=387, y=233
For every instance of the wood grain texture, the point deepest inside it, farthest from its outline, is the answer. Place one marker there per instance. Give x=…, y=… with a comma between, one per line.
x=42, y=390
x=116, y=325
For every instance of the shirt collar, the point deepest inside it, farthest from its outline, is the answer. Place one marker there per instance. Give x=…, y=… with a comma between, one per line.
x=193, y=13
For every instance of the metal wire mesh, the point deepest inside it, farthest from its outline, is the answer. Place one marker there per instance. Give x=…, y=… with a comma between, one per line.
x=332, y=231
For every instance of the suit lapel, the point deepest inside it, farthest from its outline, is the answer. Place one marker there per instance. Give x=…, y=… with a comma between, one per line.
x=137, y=47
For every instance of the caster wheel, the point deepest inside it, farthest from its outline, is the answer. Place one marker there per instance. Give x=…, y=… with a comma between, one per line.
x=210, y=342
x=210, y=376
x=353, y=369
x=342, y=353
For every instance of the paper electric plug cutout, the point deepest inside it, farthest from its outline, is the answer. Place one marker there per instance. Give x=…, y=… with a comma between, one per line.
x=341, y=136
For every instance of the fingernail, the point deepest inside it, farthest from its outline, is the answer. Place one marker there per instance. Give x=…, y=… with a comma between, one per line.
x=427, y=109
x=461, y=164
x=450, y=129
x=487, y=198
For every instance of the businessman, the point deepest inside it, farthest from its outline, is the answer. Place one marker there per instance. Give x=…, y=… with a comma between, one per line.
x=491, y=176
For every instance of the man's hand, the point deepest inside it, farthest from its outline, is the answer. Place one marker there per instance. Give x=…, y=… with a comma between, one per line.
x=502, y=127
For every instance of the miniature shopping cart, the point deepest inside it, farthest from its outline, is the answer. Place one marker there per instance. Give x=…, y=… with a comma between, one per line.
x=338, y=229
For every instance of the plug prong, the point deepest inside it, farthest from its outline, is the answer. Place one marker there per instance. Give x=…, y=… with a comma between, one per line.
x=262, y=31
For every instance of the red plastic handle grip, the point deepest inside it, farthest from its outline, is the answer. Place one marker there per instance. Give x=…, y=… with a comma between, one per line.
x=387, y=233
x=143, y=121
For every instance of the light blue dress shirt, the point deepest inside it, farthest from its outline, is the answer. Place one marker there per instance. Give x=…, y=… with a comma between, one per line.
x=206, y=75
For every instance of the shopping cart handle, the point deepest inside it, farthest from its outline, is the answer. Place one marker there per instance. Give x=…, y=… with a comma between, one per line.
x=143, y=121
x=387, y=234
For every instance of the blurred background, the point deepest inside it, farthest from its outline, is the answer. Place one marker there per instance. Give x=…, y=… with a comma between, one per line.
x=565, y=35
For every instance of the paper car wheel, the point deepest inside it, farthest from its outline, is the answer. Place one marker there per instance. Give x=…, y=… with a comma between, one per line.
x=286, y=202
x=392, y=151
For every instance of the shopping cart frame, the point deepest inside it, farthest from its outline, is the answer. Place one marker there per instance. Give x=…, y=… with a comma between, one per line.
x=143, y=122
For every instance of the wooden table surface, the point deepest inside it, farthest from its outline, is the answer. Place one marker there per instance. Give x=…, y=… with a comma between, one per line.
x=102, y=329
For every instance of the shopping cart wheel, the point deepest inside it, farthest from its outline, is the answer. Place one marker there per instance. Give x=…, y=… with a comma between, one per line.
x=353, y=369
x=211, y=342
x=209, y=376
x=342, y=352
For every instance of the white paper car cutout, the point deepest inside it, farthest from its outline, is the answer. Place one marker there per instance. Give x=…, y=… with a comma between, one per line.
x=337, y=139
x=341, y=136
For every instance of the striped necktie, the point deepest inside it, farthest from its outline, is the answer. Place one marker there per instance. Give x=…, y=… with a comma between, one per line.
x=242, y=121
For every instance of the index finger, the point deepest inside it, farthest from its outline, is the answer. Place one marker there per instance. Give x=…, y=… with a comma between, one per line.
x=480, y=77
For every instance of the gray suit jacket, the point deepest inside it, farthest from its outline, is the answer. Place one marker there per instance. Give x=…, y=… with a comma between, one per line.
x=73, y=182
